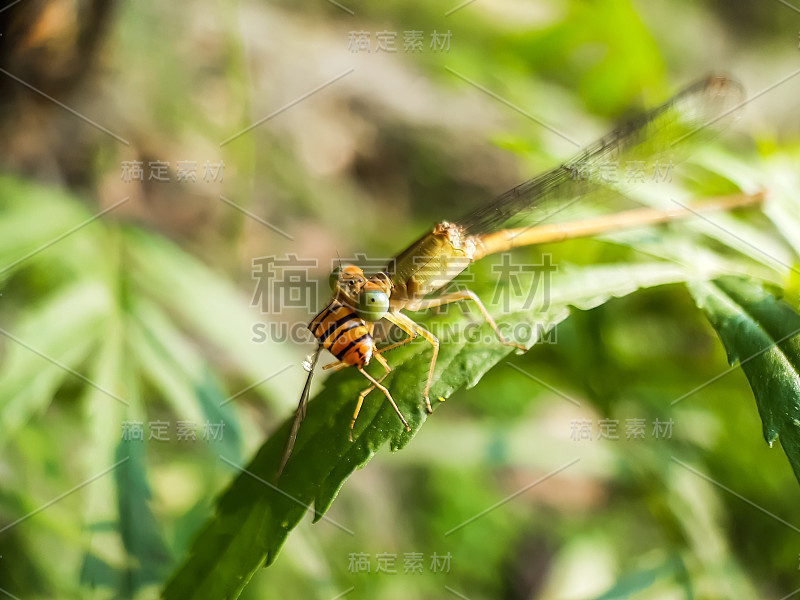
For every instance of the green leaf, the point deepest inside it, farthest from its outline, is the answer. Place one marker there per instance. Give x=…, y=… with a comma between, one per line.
x=169, y=359
x=631, y=584
x=254, y=516
x=148, y=554
x=102, y=416
x=23, y=231
x=165, y=357
x=206, y=305
x=28, y=381
x=761, y=333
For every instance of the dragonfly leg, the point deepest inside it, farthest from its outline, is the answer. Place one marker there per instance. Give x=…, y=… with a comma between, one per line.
x=361, y=396
x=335, y=365
x=414, y=329
x=366, y=392
x=395, y=345
x=456, y=297
x=376, y=383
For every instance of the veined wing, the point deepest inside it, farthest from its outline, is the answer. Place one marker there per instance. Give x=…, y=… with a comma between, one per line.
x=662, y=134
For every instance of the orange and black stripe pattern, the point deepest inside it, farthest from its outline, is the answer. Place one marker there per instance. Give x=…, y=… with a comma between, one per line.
x=341, y=332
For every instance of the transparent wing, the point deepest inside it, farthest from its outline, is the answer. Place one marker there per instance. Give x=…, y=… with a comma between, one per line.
x=300, y=411
x=662, y=134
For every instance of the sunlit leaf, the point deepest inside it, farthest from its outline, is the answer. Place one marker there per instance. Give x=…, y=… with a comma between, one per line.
x=103, y=417
x=254, y=516
x=762, y=334
x=63, y=328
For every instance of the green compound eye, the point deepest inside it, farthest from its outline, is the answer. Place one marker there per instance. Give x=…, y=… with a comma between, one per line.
x=333, y=278
x=372, y=305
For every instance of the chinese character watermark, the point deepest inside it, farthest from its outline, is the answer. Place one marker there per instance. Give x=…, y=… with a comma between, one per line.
x=161, y=431
x=284, y=283
x=291, y=282
x=607, y=429
x=510, y=285
x=159, y=171
x=386, y=562
x=608, y=172
x=361, y=41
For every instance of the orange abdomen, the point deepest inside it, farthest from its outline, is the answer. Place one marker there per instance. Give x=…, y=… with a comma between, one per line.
x=341, y=332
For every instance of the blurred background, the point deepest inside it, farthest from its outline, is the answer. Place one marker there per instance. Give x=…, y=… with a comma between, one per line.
x=160, y=160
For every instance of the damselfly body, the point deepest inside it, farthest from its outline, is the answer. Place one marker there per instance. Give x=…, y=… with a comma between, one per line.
x=345, y=326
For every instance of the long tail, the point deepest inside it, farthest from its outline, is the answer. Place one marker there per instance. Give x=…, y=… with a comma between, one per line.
x=506, y=239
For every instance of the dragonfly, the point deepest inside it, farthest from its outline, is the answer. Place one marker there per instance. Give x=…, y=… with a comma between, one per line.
x=346, y=326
